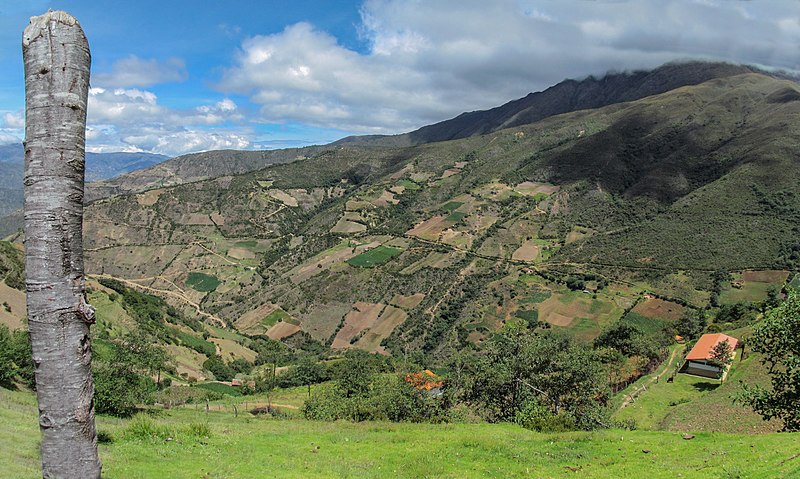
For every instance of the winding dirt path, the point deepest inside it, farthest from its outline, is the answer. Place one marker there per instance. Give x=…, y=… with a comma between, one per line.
x=629, y=398
x=173, y=294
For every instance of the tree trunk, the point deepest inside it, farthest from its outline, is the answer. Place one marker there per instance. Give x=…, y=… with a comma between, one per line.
x=57, y=59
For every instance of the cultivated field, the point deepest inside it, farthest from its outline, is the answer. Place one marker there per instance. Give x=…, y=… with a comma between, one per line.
x=754, y=286
x=660, y=309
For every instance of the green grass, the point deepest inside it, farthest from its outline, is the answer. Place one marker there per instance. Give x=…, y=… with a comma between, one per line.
x=374, y=257
x=536, y=297
x=795, y=282
x=647, y=325
x=456, y=216
x=193, y=342
x=272, y=318
x=219, y=445
x=247, y=244
x=220, y=388
x=408, y=184
x=531, y=316
x=202, y=282
x=452, y=206
x=226, y=334
x=751, y=292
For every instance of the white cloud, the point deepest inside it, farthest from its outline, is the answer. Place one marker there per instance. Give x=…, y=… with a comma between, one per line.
x=133, y=120
x=8, y=138
x=428, y=61
x=133, y=71
x=14, y=119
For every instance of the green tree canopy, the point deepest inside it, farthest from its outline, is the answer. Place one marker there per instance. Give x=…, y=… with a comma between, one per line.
x=777, y=337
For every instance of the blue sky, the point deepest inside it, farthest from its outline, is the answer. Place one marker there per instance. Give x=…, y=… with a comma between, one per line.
x=176, y=76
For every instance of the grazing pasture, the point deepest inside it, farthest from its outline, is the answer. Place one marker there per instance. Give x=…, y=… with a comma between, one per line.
x=374, y=257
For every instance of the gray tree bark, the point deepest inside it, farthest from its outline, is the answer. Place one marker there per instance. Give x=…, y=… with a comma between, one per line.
x=57, y=60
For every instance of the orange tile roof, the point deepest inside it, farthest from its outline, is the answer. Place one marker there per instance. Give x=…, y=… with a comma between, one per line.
x=420, y=381
x=705, y=345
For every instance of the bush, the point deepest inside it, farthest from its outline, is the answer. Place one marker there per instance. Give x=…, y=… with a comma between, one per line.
x=540, y=418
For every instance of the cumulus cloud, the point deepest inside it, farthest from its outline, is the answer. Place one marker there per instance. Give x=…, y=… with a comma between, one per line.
x=12, y=127
x=133, y=71
x=14, y=119
x=133, y=120
x=428, y=61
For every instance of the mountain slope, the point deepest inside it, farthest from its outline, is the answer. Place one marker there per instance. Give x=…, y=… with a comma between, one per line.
x=439, y=244
x=193, y=167
x=567, y=96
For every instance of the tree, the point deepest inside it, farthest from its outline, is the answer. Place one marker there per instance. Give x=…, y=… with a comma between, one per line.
x=56, y=57
x=7, y=367
x=124, y=379
x=520, y=369
x=777, y=337
x=308, y=372
x=722, y=354
x=692, y=324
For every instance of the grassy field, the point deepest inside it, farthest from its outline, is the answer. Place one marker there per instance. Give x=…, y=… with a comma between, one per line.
x=374, y=257
x=202, y=282
x=694, y=403
x=187, y=444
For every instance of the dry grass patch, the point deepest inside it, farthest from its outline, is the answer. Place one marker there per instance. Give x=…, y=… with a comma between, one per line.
x=529, y=251
x=348, y=227
x=322, y=319
x=766, y=276
x=578, y=233
x=250, y=322
x=358, y=205
x=283, y=197
x=149, y=198
x=407, y=302
x=431, y=228
x=188, y=362
x=450, y=172
x=231, y=350
x=196, y=219
x=282, y=330
x=385, y=199
x=434, y=260
x=338, y=254
x=389, y=319
x=362, y=316
x=13, y=300
x=660, y=309
x=531, y=188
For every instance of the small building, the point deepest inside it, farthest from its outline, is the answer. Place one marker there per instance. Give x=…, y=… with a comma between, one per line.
x=699, y=361
x=426, y=381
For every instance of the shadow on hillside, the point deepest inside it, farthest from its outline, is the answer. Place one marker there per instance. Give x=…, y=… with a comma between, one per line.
x=705, y=387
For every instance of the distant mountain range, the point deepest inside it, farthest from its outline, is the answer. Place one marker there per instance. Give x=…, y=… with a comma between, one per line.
x=99, y=166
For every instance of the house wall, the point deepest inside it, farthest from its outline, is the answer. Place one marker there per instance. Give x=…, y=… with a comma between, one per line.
x=700, y=368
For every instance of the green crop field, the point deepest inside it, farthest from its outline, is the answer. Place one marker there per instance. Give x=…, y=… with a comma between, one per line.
x=645, y=324
x=275, y=316
x=374, y=257
x=456, y=216
x=202, y=282
x=408, y=184
x=220, y=388
x=186, y=443
x=452, y=206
